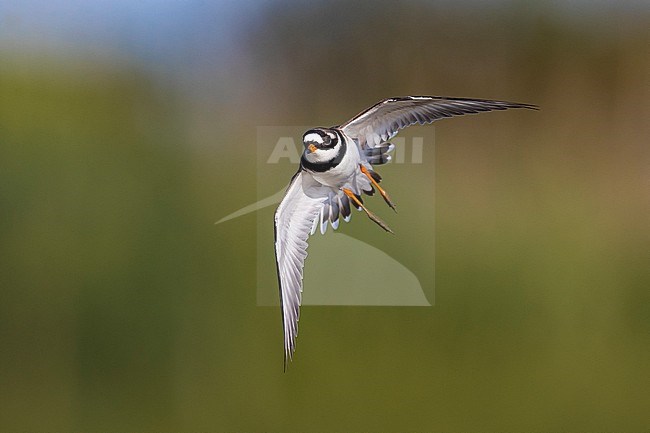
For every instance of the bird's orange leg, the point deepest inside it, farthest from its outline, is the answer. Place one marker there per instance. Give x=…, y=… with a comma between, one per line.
x=383, y=193
x=371, y=215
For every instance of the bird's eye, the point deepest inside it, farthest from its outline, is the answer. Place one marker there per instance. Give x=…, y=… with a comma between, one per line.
x=331, y=140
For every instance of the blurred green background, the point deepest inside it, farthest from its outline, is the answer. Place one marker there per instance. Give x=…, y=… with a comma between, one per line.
x=128, y=128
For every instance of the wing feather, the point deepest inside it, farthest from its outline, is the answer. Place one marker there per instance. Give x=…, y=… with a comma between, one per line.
x=294, y=219
x=382, y=121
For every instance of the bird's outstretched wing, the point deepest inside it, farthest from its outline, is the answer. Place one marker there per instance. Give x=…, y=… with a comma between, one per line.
x=383, y=120
x=294, y=219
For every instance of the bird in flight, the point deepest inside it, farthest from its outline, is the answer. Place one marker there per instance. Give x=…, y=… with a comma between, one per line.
x=336, y=168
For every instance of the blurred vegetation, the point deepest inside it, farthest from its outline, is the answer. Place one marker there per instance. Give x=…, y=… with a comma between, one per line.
x=123, y=308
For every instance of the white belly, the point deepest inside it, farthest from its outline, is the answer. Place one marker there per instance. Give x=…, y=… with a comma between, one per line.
x=344, y=172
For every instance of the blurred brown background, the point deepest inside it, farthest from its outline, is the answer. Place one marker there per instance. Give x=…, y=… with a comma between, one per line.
x=128, y=128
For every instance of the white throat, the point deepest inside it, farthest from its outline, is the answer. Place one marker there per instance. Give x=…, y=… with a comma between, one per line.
x=322, y=155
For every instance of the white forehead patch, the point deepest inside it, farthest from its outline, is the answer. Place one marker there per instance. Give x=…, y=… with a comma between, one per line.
x=313, y=137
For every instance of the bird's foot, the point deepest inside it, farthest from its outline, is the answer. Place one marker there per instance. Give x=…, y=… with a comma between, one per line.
x=383, y=192
x=357, y=200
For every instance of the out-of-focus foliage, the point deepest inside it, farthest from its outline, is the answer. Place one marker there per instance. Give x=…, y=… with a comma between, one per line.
x=123, y=308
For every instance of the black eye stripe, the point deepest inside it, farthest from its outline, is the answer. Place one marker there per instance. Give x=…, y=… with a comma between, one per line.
x=329, y=138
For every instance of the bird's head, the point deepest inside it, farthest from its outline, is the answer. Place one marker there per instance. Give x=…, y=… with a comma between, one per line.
x=321, y=145
x=319, y=138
